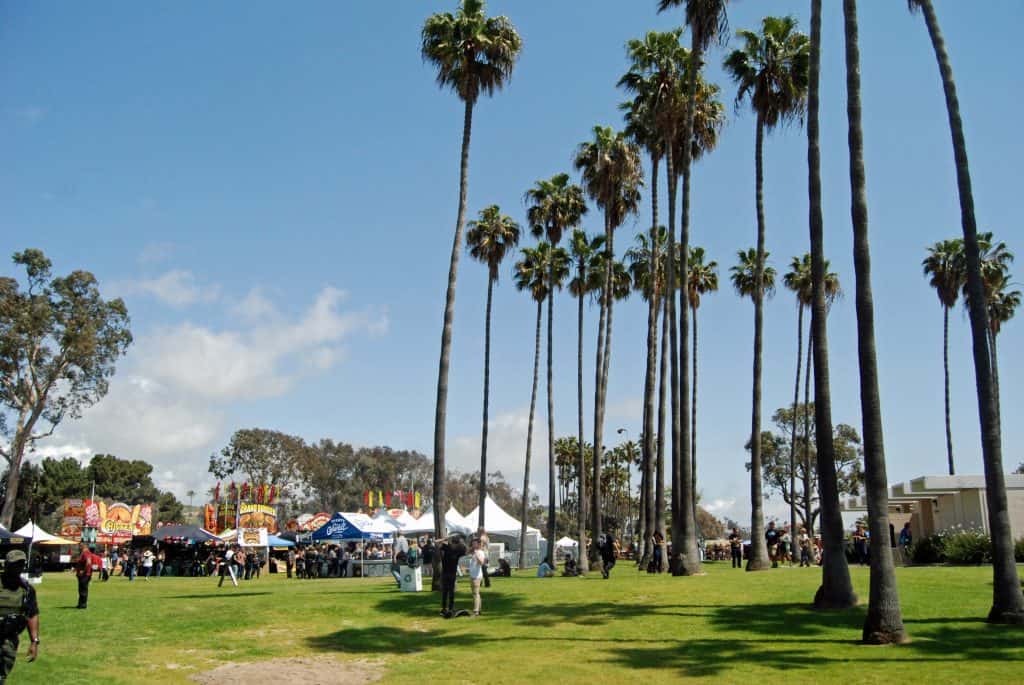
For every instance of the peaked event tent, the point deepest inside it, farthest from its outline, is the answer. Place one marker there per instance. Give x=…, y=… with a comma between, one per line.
x=567, y=542
x=344, y=527
x=176, y=530
x=31, y=531
x=501, y=524
x=454, y=522
x=9, y=538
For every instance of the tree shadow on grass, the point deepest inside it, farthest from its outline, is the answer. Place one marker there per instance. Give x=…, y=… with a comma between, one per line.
x=391, y=640
x=224, y=595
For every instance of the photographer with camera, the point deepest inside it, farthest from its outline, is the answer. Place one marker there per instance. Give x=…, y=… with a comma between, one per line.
x=18, y=610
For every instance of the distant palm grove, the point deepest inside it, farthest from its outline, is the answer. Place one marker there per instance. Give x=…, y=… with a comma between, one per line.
x=673, y=118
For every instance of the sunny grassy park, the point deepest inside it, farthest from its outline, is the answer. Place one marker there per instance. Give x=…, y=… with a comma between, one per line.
x=728, y=626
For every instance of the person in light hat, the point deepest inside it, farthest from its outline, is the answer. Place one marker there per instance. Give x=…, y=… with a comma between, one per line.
x=18, y=610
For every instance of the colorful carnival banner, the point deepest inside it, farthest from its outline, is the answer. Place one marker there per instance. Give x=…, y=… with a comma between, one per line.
x=115, y=523
x=222, y=517
x=252, y=537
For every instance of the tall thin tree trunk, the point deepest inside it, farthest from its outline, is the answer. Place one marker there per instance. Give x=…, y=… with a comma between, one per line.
x=884, y=622
x=529, y=441
x=441, y=410
x=693, y=423
x=808, y=488
x=487, y=387
x=945, y=369
x=595, y=481
x=581, y=462
x=758, y=553
x=651, y=378
x=671, y=278
x=796, y=402
x=551, y=417
x=995, y=376
x=836, y=591
x=659, y=483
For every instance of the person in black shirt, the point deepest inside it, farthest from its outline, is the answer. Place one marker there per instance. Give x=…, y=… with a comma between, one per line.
x=607, y=548
x=736, y=547
x=771, y=537
x=452, y=549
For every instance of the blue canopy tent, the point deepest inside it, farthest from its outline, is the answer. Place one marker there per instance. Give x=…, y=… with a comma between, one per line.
x=274, y=541
x=348, y=527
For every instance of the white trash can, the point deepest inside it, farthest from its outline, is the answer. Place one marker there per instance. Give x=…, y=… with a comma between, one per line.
x=411, y=578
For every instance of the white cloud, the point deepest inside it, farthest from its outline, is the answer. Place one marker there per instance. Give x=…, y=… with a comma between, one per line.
x=177, y=288
x=506, y=449
x=80, y=452
x=255, y=307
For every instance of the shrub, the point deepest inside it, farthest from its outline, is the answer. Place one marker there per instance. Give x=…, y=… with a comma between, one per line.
x=1018, y=551
x=968, y=547
x=928, y=550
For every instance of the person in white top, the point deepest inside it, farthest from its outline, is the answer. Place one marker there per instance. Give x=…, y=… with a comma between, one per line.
x=147, y=563
x=477, y=559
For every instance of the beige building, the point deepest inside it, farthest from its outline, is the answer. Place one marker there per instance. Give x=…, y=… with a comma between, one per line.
x=937, y=503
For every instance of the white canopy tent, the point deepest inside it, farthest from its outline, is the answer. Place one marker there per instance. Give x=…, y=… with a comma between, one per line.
x=499, y=523
x=39, y=536
x=424, y=525
x=567, y=542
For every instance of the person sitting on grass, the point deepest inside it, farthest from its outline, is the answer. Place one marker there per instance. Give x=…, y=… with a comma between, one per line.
x=545, y=570
x=571, y=569
x=504, y=569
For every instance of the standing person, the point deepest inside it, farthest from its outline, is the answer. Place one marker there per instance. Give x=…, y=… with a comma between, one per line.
x=161, y=558
x=771, y=538
x=290, y=561
x=805, y=548
x=105, y=567
x=227, y=566
x=736, y=548
x=83, y=571
x=860, y=545
x=113, y=562
x=656, y=560
x=906, y=538
x=786, y=546
x=19, y=610
x=477, y=564
x=607, y=555
x=485, y=545
x=452, y=549
x=147, y=564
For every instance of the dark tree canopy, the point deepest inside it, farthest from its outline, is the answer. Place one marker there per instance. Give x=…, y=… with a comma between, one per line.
x=261, y=456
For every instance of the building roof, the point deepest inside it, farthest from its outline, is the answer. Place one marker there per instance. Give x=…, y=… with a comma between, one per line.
x=926, y=487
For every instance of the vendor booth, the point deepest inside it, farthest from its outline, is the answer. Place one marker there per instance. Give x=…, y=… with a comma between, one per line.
x=359, y=528
x=504, y=529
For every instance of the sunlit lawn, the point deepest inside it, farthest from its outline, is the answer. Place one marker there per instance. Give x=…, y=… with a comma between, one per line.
x=730, y=626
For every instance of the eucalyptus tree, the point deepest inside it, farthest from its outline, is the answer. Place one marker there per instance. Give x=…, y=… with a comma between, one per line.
x=535, y=271
x=945, y=268
x=702, y=278
x=612, y=175
x=1007, y=599
x=798, y=280
x=489, y=239
x=884, y=622
x=553, y=206
x=587, y=276
x=474, y=54
x=771, y=71
x=836, y=590
x=749, y=271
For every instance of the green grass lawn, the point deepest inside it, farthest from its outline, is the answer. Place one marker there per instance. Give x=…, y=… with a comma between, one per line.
x=730, y=626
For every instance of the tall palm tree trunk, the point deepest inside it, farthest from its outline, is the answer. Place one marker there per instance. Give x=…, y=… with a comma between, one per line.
x=836, y=591
x=758, y=553
x=945, y=369
x=678, y=485
x=659, y=481
x=650, y=379
x=581, y=461
x=1007, y=600
x=995, y=376
x=693, y=422
x=796, y=401
x=595, y=502
x=529, y=441
x=551, y=420
x=487, y=388
x=884, y=622
x=808, y=492
x=441, y=410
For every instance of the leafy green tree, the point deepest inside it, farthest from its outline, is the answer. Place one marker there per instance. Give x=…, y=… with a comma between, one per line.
x=122, y=480
x=169, y=509
x=884, y=622
x=59, y=342
x=836, y=590
x=945, y=267
x=489, y=239
x=771, y=71
x=1007, y=598
x=29, y=504
x=612, y=175
x=553, y=206
x=587, y=275
x=474, y=54
x=262, y=456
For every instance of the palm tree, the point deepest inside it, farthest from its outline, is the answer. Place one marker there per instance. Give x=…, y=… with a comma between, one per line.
x=702, y=279
x=706, y=20
x=612, y=175
x=533, y=272
x=584, y=253
x=473, y=54
x=1002, y=305
x=798, y=280
x=553, y=206
x=995, y=268
x=836, y=591
x=944, y=264
x=1007, y=599
x=489, y=239
x=884, y=622
x=770, y=70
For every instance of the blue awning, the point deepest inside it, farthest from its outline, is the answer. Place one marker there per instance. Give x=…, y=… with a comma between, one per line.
x=274, y=541
x=345, y=527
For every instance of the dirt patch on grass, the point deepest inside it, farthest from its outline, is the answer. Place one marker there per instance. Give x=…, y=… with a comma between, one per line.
x=307, y=670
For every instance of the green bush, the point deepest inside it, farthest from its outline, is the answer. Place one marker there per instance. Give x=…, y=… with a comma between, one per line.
x=1018, y=551
x=928, y=550
x=968, y=547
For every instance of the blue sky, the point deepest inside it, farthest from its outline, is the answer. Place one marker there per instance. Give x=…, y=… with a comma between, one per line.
x=273, y=189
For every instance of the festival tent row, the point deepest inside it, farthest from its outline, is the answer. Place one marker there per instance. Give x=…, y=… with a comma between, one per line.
x=354, y=527
x=38, y=536
x=503, y=527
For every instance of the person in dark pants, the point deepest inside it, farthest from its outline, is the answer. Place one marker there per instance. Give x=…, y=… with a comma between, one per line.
x=452, y=549
x=736, y=547
x=607, y=555
x=83, y=571
x=19, y=610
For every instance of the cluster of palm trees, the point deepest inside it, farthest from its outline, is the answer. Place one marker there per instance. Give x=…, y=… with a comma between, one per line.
x=674, y=115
